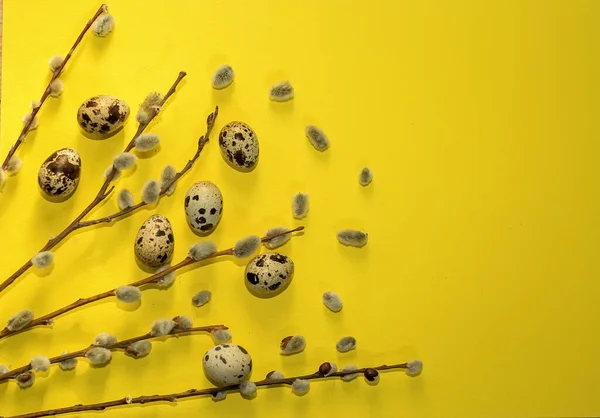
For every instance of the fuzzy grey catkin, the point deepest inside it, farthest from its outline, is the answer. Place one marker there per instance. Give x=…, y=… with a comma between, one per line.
x=4, y=369
x=56, y=87
x=128, y=294
x=165, y=281
x=414, y=367
x=275, y=375
x=221, y=336
x=201, y=298
x=104, y=339
x=139, y=349
x=332, y=301
x=352, y=237
x=300, y=386
x=292, y=345
x=300, y=205
x=2, y=177
x=346, y=344
x=223, y=77
x=365, y=177
x=34, y=124
x=42, y=259
x=124, y=160
x=98, y=356
x=125, y=199
x=328, y=368
x=184, y=322
x=202, y=250
x=109, y=170
x=248, y=389
x=19, y=320
x=282, y=91
x=103, y=25
x=40, y=364
x=371, y=376
x=246, y=246
x=150, y=191
x=25, y=379
x=168, y=174
x=277, y=241
x=68, y=364
x=14, y=164
x=149, y=107
x=146, y=142
x=317, y=138
x=219, y=396
x=55, y=62
x=351, y=376
x=162, y=327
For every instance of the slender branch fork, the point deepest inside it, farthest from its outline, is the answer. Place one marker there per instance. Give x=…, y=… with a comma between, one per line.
x=46, y=93
x=173, y=397
x=112, y=347
x=102, y=194
x=49, y=318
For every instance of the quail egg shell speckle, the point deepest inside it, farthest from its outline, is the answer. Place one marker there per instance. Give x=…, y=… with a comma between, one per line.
x=58, y=176
x=203, y=207
x=154, y=243
x=269, y=274
x=227, y=364
x=239, y=145
x=101, y=117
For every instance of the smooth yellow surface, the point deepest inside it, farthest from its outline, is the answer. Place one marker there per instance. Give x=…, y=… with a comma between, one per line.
x=480, y=122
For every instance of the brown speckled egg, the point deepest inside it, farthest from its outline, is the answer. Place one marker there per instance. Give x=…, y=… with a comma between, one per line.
x=239, y=145
x=269, y=274
x=227, y=364
x=154, y=243
x=58, y=176
x=203, y=207
x=101, y=117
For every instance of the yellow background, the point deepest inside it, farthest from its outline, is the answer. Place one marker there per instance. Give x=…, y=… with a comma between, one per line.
x=479, y=120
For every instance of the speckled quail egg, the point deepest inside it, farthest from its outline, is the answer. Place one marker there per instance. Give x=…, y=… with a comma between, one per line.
x=58, y=176
x=227, y=364
x=269, y=274
x=239, y=145
x=203, y=207
x=101, y=117
x=154, y=243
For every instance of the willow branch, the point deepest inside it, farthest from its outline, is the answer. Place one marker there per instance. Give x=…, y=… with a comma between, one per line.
x=119, y=345
x=46, y=93
x=99, y=198
x=173, y=397
x=202, y=141
x=48, y=319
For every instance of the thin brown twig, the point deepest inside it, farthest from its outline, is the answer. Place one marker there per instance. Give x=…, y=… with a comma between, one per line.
x=49, y=318
x=99, y=198
x=173, y=397
x=210, y=122
x=57, y=72
x=112, y=347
